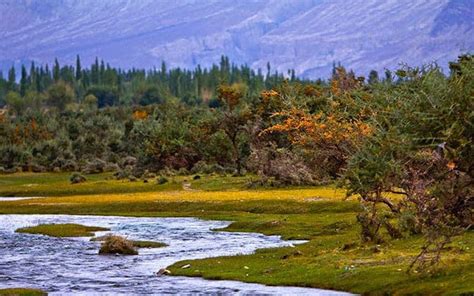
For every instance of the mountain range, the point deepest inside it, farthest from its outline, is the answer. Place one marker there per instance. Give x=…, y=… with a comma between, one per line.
x=305, y=35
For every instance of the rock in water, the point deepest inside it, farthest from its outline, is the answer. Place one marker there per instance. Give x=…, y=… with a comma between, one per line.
x=163, y=271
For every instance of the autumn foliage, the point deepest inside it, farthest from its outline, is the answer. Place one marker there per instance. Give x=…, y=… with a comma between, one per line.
x=140, y=114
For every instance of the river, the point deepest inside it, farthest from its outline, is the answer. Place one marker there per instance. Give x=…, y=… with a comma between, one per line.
x=64, y=266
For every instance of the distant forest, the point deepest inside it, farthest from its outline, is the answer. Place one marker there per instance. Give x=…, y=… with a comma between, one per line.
x=115, y=86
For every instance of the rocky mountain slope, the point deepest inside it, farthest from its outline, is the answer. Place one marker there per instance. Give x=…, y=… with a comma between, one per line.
x=307, y=35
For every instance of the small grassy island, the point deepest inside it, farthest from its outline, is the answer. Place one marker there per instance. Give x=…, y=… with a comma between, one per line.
x=148, y=244
x=77, y=230
x=22, y=292
x=62, y=230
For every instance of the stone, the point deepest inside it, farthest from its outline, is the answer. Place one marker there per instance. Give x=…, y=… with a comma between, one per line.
x=163, y=271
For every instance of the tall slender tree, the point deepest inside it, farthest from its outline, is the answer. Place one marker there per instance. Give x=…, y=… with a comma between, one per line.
x=78, y=68
x=56, y=71
x=11, y=79
x=23, y=80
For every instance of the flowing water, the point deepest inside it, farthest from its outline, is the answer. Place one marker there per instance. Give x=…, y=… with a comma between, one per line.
x=15, y=198
x=64, y=266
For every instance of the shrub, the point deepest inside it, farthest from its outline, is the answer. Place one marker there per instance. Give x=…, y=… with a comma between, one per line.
x=282, y=164
x=149, y=175
x=114, y=244
x=129, y=161
x=16, y=103
x=37, y=168
x=421, y=150
x=183, y=172
x=94, y=167
x=60, y=94
x=409, y=223
x=122, y=174
x=111, y=167
x=70, y=165
x=201, y=167
x=12, y=156
x=162, y=180
x=77, y=178
x=90, y=101
x=106, y=95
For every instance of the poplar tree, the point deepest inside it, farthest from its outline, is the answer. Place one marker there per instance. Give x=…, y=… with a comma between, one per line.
x=23, y=80
x=78, y=68
x=56, y=71
x=11, y=79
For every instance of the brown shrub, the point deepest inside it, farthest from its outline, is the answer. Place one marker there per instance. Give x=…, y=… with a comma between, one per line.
x=114, y=244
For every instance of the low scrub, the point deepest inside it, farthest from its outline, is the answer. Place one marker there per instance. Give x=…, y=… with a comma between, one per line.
x=114, y=244
x=77, y=178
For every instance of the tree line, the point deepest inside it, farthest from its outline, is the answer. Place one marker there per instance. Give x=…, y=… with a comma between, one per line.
x=115, y=86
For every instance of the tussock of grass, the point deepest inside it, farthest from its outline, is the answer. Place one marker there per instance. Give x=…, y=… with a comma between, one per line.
x=22, y=292
x=114, y=244
x=62, y=230
x=136, y=243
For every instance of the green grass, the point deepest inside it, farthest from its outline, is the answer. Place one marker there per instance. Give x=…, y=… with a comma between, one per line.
x=58, y=184
x=317, y=214
x=62, y=230
x=220, y=183
x=148, y=244
x=22, y=292
x=322, y=263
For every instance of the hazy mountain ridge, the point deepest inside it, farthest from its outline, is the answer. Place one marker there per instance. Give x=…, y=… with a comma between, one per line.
x=307, y=35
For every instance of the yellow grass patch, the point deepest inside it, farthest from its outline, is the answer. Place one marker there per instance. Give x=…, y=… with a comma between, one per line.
x=321, y=193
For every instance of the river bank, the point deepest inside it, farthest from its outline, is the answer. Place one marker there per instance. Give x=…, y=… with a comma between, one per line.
x=333, y=258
